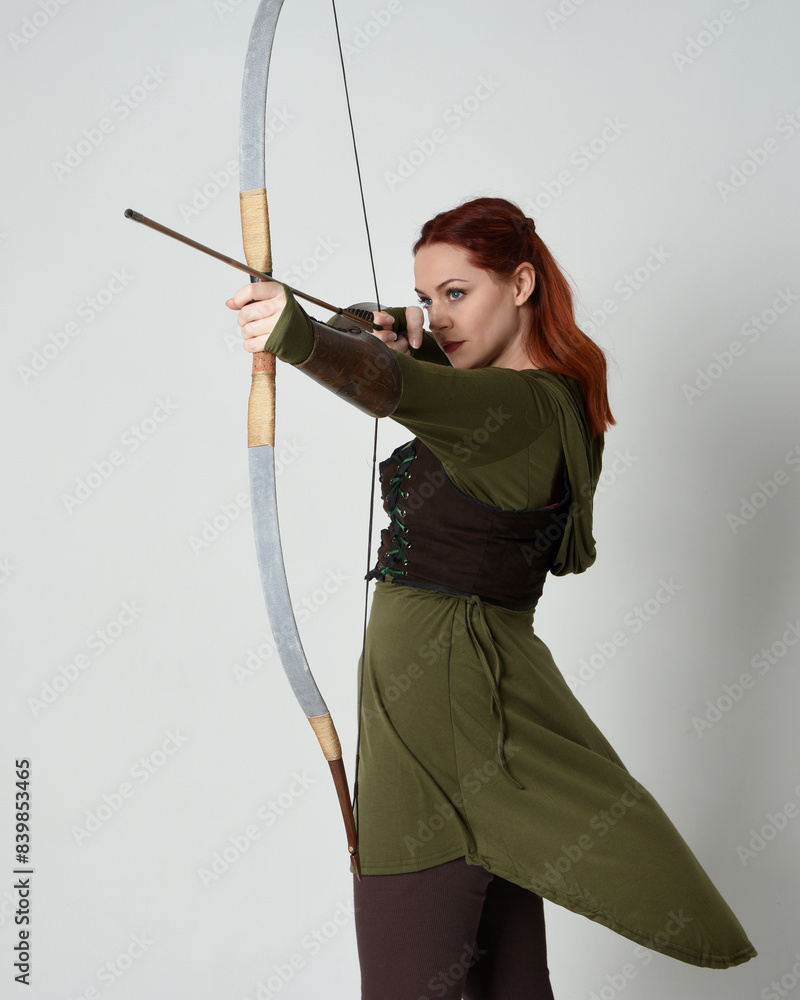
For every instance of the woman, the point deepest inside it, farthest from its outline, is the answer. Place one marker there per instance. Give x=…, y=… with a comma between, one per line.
x=484, y=785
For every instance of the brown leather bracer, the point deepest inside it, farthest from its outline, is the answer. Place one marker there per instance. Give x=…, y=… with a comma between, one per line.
x=356, y=366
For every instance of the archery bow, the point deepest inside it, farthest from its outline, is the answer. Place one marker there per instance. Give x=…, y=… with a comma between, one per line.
x=261, y=416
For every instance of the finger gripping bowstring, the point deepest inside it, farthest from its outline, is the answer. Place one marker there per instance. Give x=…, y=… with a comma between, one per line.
x=261, y=414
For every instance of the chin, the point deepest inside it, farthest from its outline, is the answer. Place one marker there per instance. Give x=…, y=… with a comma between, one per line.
x=456, y=362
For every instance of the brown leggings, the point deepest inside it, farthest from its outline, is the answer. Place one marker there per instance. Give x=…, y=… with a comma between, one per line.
x=449, y=932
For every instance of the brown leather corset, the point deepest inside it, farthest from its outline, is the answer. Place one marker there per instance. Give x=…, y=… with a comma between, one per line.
x=440, y=539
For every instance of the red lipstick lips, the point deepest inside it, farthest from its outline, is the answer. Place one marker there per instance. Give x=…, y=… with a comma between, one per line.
x=448, y=346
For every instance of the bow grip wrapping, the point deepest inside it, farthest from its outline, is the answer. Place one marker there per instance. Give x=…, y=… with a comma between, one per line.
x=255, y=229
x=258, y=253
x=261, y=405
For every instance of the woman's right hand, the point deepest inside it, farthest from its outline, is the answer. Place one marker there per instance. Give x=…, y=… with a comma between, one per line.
x=403, y=341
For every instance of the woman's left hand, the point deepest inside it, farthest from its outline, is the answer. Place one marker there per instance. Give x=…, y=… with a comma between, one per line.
x=260, y=305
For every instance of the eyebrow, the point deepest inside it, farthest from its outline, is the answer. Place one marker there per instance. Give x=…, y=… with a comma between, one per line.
x=447, y=282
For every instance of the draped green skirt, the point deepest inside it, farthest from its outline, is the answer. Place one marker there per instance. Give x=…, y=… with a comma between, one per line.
x=474, y=746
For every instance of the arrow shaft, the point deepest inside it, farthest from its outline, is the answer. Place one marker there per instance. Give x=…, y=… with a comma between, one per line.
x=261, y=275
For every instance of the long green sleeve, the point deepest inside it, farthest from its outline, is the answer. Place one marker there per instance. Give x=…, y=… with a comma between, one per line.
x=479, y=422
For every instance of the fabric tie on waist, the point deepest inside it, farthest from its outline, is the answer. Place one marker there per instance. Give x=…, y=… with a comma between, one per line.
x=476, y=622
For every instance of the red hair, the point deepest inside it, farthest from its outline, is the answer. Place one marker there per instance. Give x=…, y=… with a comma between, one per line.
x=499, y=237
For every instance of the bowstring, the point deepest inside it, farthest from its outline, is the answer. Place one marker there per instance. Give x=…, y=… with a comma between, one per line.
x=375, y=432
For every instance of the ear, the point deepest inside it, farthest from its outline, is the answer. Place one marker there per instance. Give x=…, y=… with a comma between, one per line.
x=524, y=282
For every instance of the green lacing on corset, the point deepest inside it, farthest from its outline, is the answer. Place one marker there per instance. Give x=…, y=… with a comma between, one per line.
x=396, y=557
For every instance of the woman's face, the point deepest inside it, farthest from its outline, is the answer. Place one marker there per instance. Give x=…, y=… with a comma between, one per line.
x=478, y=320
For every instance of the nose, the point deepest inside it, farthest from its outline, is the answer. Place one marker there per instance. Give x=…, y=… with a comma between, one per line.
x=438, y=317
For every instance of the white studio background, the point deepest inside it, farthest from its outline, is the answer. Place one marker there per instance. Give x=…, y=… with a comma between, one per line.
x=656, y=145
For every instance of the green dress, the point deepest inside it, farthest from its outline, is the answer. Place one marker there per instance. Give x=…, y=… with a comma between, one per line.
x=445, y=675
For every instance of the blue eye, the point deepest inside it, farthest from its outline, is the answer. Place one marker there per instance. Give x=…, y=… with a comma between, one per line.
x=453, y=294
